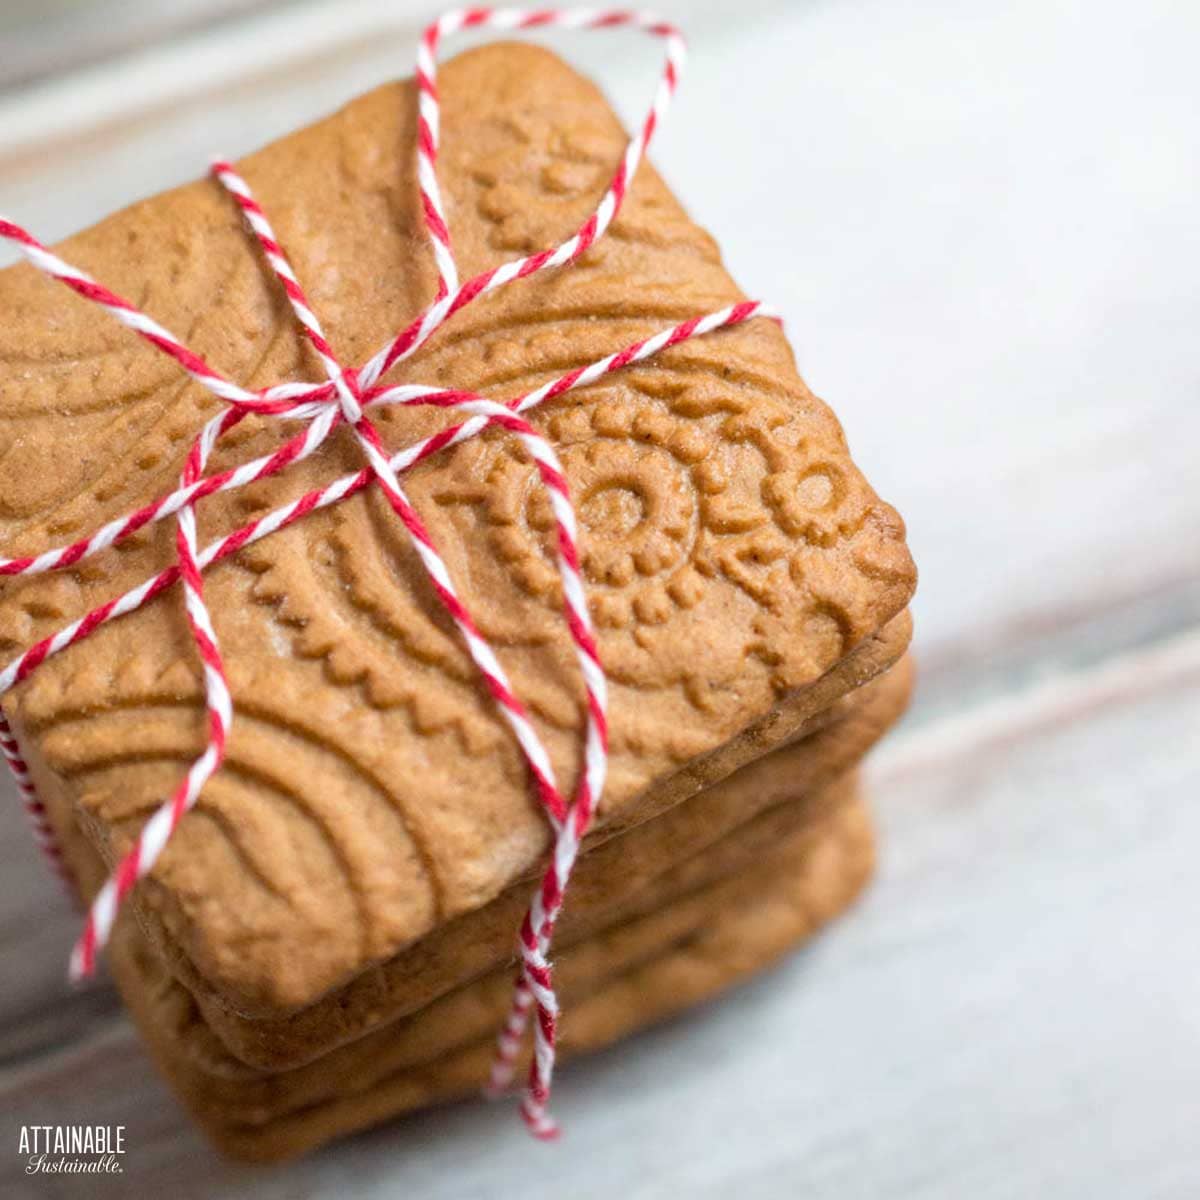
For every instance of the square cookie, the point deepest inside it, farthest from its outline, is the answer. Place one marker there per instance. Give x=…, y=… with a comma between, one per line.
x=734, y=554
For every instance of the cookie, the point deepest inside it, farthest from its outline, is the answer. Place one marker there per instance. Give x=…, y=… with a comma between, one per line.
x=734, y=554
x=630, y=875
x=611, y=879
x=638, y=973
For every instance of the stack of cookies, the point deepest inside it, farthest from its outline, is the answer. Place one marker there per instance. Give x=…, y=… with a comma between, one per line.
x=328, y=940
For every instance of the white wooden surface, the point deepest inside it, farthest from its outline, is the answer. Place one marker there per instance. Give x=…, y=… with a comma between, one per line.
x=40, y=38
x=981, y=223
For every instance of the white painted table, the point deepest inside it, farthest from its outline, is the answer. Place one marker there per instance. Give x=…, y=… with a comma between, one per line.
x=981, y=223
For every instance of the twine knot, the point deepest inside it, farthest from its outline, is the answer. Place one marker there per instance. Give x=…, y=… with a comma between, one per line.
x=349, y=395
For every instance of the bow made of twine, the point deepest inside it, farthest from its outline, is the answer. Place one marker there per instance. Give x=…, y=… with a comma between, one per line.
x=345, y=397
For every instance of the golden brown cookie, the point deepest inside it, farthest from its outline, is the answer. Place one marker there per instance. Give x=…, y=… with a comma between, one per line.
x=630, y=875
x=614, y=878
x=615, y=983
x=734, y=554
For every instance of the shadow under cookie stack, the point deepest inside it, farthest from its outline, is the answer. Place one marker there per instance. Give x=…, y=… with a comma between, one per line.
x=328, y=940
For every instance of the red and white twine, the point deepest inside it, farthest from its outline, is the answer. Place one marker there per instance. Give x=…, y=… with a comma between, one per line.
x=345, y=398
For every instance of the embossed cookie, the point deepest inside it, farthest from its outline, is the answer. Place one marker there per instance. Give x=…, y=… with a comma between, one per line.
x=627, y=876
x=632, y=976
x=734, y=554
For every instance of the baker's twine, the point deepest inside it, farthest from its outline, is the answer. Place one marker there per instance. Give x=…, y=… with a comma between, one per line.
x=345, y=398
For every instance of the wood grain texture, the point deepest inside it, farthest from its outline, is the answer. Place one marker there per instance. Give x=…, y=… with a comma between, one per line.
x=980, y=224
x=40, y=38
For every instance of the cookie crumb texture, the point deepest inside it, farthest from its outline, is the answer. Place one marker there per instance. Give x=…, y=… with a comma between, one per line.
x=733, y=552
